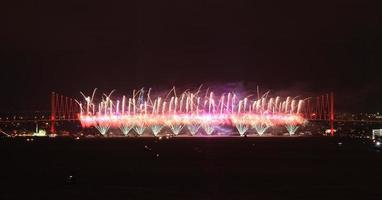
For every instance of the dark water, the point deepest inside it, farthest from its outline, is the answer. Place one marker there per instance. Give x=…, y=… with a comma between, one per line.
x=190, y=168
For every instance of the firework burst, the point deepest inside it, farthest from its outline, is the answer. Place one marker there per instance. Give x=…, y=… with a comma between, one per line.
x=190, y=109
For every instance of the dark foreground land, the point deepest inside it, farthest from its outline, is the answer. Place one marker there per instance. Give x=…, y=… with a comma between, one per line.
x=184, y=168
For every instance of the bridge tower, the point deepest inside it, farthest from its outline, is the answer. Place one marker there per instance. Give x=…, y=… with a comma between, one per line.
x=53, y=114
x=331, y=118
x=62, y=109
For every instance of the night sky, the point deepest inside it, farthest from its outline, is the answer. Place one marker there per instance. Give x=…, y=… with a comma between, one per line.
x=71, y=46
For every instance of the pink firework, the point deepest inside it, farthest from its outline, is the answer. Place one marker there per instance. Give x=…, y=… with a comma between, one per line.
x=190, y=109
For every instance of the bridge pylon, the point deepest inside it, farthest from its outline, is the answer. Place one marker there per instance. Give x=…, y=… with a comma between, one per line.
x=62, y=108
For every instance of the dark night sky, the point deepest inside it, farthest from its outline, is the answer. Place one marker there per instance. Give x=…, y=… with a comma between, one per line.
x=68, y=46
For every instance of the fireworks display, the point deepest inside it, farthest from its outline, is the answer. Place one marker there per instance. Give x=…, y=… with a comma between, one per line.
x=192, y=110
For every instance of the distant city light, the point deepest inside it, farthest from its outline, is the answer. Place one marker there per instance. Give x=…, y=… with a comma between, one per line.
x=40, y=133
